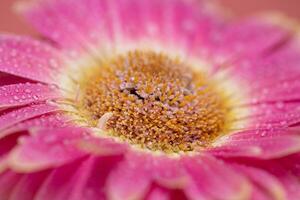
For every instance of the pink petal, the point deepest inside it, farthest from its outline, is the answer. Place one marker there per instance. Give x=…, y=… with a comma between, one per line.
x=21, y=114
x=167, y=22
x=213, y=179
x=47, y=148
x=50, y=18
x=169, y=173
x=266, y=72
x=51, y=120
x=93, y=24
x=131, y=179
x=22, y=94
x=291, y=184
x=271, y=83
x=250, y=37
x=82, y=179
x=272, y=115
x=8, y=181
x=258, y=143
x=264, y=182
x=27, y=186
x=94, y=186
x=28, y=58
x=61, y=183
x=288, y=180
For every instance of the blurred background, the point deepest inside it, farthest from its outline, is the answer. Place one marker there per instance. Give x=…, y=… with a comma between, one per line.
x=10, y=22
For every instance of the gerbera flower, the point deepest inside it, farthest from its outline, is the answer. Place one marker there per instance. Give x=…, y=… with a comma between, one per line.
x=132, y=99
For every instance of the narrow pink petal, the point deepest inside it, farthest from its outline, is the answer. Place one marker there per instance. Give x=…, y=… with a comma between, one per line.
x=258, y=143
x=94, y=186
x=61, y=182
x=22, y=94
x=28, y=58
x=169, y=173
x=213, y=179
x=168, y=22
x=273, y=86
x=140, y=170
x=285, y=92
x=266, y=72
x=283, y=174
x=290, y=182
x=8, y=181
x=83, y=179
x=272, y=115
x=21, y=114
x=271, y=82
x=28, y=185
x=250, y=37
x=47, y=148
x=82, y=17
x=91, y=23
x=131, y=179
x=268, y=185
x=51, y=120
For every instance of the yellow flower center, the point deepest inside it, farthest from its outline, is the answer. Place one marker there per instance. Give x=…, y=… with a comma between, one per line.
x=155, y=102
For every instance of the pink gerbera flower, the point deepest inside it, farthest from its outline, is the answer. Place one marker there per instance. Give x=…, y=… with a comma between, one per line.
x=157, y=99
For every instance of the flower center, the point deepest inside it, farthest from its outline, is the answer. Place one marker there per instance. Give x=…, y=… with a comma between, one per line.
x=155, y=102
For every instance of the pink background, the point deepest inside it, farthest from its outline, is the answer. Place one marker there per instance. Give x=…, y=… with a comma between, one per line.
x=9, y=22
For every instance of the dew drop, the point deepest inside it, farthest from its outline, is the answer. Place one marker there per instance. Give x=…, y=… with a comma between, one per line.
x=50, y=138
x=283, y=123
x=279, y=105
x=27, y=90
x=53, y=63
x=254, y=100
x=13, y=53
x=52, y=86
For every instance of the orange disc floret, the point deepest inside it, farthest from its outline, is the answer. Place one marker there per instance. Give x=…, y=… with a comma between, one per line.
x=155, y=102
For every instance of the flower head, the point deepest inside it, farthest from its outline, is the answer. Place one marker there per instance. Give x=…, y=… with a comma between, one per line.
x=136, y=99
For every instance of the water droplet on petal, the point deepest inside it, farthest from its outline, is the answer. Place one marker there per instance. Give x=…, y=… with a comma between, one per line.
x=27, y=90
x=50, y=138
x=283, y=123
x=279, y=105
x=13, y=53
